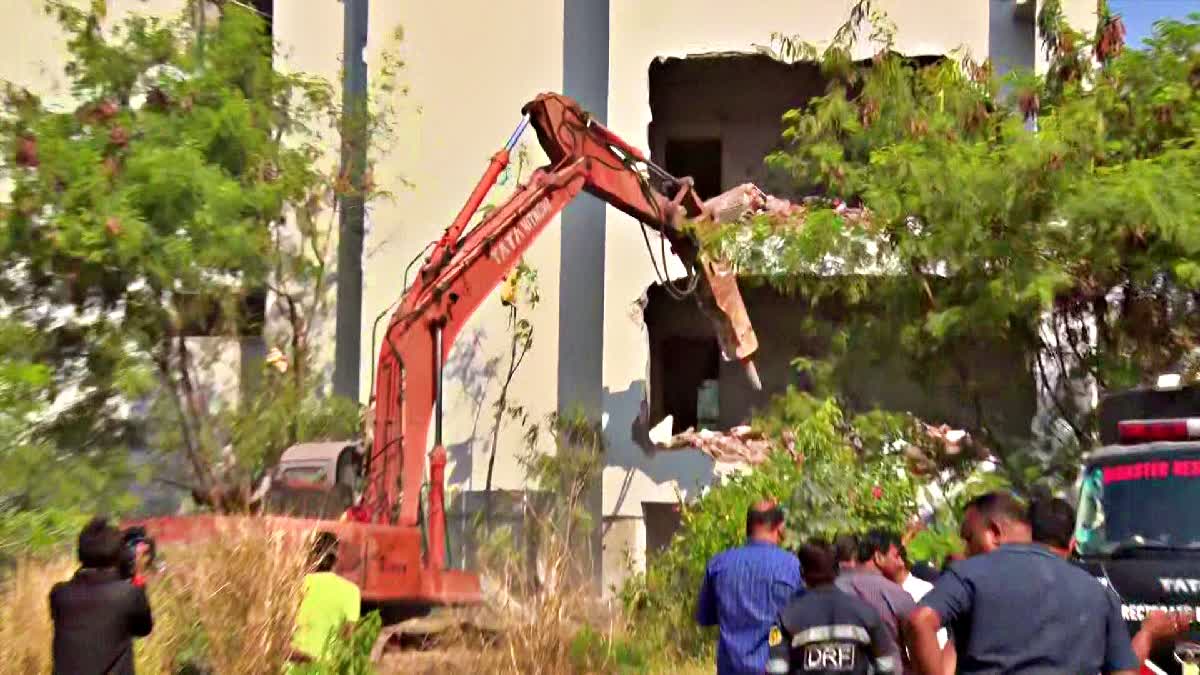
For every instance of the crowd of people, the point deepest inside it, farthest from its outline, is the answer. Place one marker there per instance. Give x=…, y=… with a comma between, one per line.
x=99, y=612
x=1011, y=603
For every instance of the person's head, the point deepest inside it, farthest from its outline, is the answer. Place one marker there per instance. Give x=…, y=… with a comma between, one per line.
x=993, y=519
x=880, y=550
x=846, y=548
x=99, y=544
x=764, y=522
x=323, y=554
x=1053, y=523
x=818, y=561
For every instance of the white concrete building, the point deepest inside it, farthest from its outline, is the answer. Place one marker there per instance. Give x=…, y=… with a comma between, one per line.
x=682, y=78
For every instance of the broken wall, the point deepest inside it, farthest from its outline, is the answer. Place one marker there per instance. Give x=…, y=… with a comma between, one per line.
x=641, y=34
x=875, y=375
x=741, y=116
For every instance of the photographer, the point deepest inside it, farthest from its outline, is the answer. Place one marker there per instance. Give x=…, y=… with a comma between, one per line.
x=100, y=610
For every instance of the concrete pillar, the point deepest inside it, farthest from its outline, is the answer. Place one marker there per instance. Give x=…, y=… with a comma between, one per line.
x=624, y=550
x=581, y=283
x=348, y=341
x=1011, y=36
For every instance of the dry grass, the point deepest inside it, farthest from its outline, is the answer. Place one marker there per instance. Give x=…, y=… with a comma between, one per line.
x=230, y=606
x=554, y=623
x=25, y=628
x=230, y=603
x=539, y=625
x=687, y=668
x=227, y=605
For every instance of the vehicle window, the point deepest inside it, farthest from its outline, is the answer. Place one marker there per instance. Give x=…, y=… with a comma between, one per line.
x=304, y=474
x=1139, y=503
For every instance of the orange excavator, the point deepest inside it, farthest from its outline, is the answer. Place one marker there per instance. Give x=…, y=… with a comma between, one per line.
x=394, y=544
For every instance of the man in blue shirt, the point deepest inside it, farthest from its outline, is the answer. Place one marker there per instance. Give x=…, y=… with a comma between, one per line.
x=745, y=588
x=1014, y=606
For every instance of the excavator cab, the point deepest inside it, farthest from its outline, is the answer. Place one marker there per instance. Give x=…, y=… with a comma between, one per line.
x=316, y=480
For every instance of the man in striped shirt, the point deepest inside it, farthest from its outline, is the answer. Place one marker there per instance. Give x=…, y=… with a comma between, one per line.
x=745, y=588
x=878, y=552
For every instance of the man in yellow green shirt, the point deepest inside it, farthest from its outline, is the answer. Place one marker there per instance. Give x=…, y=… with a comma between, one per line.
x=329, y=607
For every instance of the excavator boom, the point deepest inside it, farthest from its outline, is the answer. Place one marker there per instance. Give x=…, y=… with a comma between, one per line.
x=466, y=265
x=382, y=545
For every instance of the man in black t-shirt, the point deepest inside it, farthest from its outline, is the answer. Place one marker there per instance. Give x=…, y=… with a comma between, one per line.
x=97, y=614
x=826, y=630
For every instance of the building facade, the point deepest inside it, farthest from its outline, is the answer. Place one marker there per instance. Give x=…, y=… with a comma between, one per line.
x=686, y=80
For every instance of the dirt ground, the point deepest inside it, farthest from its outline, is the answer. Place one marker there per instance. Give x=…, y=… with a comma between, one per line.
x=461, y=661
x=419, y=662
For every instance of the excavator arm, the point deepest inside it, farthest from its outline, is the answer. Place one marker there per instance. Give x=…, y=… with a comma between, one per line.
x=465, y=265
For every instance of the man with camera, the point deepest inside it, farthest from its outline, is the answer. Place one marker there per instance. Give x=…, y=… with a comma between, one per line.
x=104, y=606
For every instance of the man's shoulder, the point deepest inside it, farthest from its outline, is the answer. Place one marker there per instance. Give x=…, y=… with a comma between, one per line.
x=897, y=598
x=897, y=592
x=781, y=556
x=1082, y=582
x=58, y=589
x=824, y=600
x=94, y=585
x=769, y=554
x=866, y=614
x=983, y=565
x=331, y=580
x=869, y=580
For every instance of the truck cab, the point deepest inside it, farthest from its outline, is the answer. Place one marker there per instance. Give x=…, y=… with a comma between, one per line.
x=1138, y=529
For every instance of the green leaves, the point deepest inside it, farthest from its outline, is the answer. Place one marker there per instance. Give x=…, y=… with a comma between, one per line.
x=1094, y=219
x=183, y=198
x=347, y=656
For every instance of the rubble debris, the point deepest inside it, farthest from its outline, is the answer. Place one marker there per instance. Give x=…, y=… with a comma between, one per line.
x=745, y=445
x=739, y=445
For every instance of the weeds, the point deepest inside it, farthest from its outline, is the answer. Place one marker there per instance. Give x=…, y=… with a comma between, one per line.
x=348, y=657
x=25, y=628
x=550, y=621
x=246, y=578
x=227, y=606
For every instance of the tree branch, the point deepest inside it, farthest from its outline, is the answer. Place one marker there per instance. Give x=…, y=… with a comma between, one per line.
x=514, y=362
x=1050, y=392
x=191, y=450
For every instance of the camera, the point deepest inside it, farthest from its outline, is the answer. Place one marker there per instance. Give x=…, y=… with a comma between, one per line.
x=130, y=539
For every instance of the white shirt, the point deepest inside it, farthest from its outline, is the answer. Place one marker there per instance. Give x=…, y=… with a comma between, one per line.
x=917, y=588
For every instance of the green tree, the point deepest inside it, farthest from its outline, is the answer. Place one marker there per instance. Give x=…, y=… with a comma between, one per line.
x=1058, y=213
x=182, y=194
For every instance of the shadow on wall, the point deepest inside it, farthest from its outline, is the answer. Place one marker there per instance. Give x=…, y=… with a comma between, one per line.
x=474, y=373
x=628, y=447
